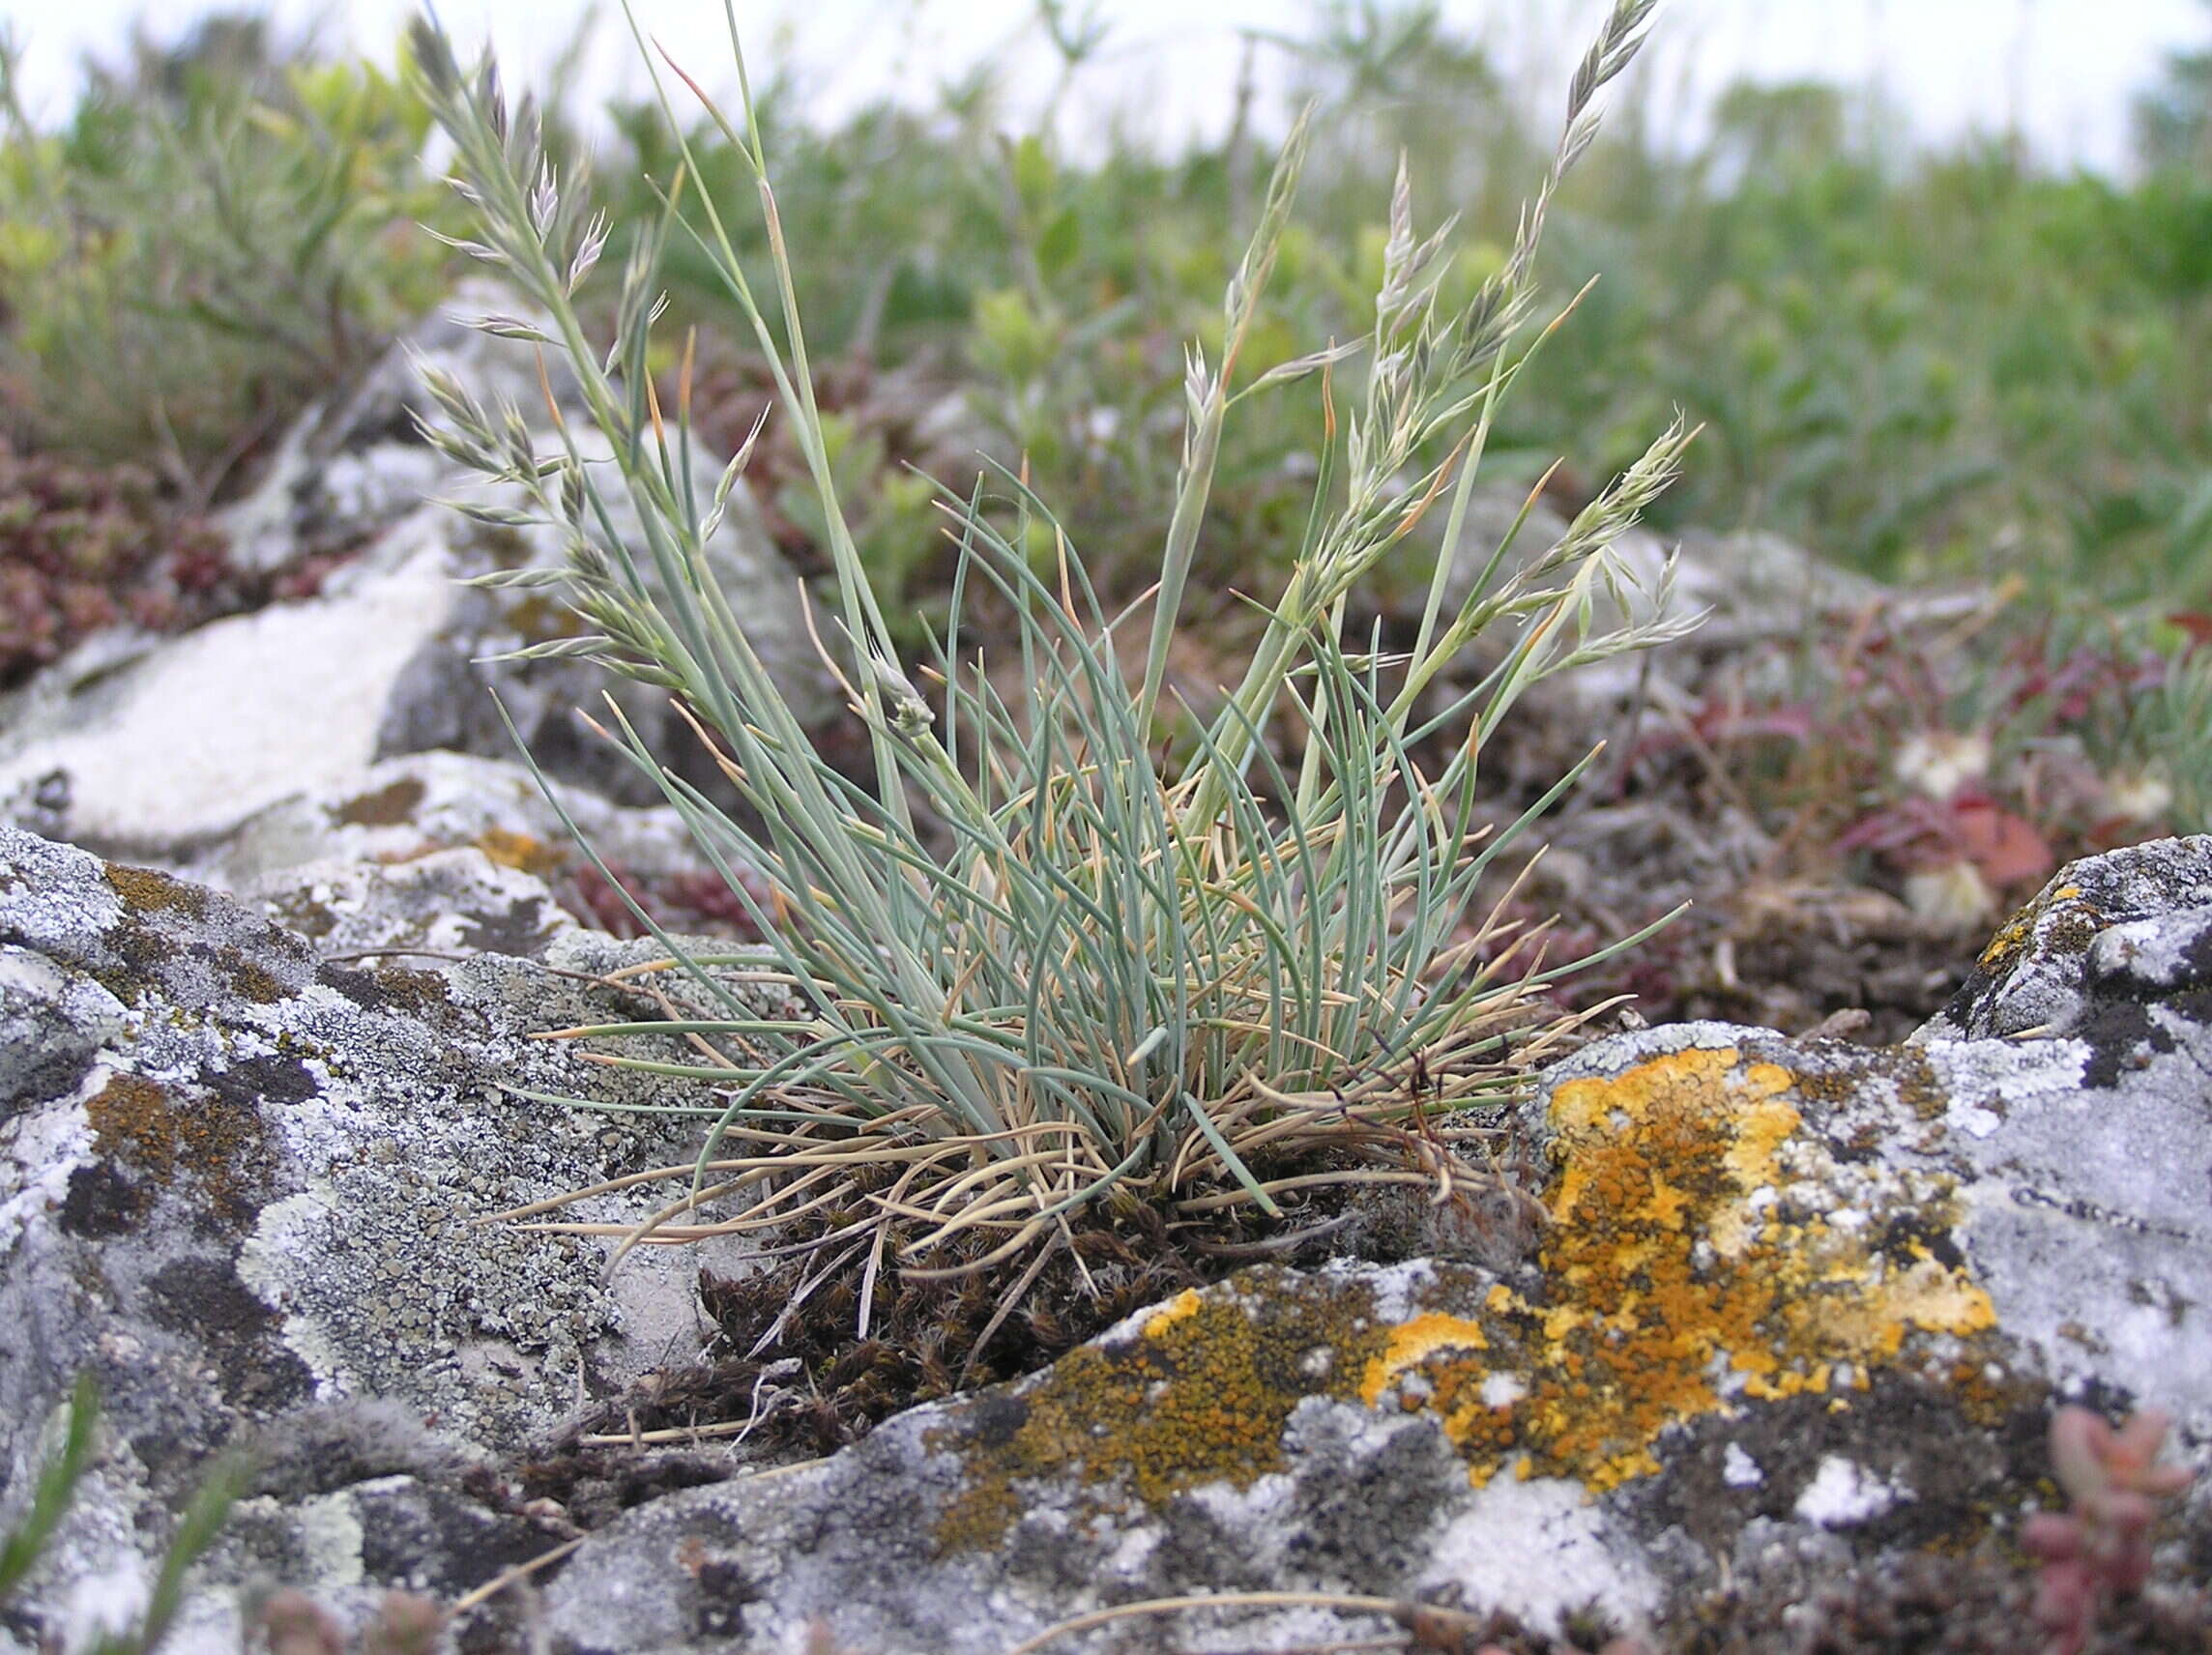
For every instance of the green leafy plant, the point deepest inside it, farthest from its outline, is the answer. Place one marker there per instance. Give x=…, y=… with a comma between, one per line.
x=1922, y=363
x=1040, y=968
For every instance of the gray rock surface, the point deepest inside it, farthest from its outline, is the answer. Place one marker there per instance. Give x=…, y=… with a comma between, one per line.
x=1798, y=1311
x=1793, y=1314
x=2115, y=952
x=299, y=855
x=183, y=739
x=242, y=1186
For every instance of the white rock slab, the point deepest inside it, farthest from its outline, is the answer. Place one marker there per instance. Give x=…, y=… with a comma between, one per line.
x=192, y=738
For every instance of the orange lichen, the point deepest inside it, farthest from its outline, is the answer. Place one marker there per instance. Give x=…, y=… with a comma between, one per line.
x=1414, y=1342
x=146, y=889
x=2014, y=933
x=1988, y=1395
x=519, y=851
x=1677, y=1276
x=137, y=1122
x=1184, y=1303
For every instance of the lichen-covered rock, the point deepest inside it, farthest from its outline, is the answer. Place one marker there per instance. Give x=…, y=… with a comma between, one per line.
x=408, y=807
x=242, y=1185
x=1797, y=1312
x=1769, y=1324
x=2116, y=949
x=430, y=907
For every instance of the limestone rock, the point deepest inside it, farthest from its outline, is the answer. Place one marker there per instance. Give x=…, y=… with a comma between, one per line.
x=1797, y=1312
x=2116, y=950
x=185, y=740
x=456, y=841
x=1773, y=1354
x=242, y=1186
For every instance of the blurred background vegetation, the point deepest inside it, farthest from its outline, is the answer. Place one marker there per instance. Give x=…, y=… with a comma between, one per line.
x=1920, y=362
x=1924, y=364
x=221, y=231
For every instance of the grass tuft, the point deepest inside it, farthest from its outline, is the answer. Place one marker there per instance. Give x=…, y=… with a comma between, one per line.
x=1043, y=963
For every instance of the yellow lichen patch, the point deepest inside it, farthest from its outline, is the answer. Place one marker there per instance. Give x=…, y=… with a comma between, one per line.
x=2011, y=937
x=1704, y=1250
x=1413, y=1342
x=1765, y=1122
x=1690, y=1262
x=1454, y=1374
x=1931, y=1294
x=1184, y=1303
x=2014, y=934
x=1202, y=1395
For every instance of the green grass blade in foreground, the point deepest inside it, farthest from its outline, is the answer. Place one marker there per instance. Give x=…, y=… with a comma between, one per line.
x=197, y=1530
x=56, y=1486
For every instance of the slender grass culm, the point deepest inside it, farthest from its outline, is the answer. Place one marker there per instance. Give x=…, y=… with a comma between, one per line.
x=1041, y=964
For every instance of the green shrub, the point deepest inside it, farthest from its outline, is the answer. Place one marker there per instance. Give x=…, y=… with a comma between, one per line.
x=1916, y=363
x=1921, y=366
x=205, y=248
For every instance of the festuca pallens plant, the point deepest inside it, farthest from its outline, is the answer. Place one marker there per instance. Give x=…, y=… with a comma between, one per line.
x=1041, y=964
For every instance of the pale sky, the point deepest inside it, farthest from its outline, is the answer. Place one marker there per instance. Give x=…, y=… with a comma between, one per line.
x=2064, y=70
